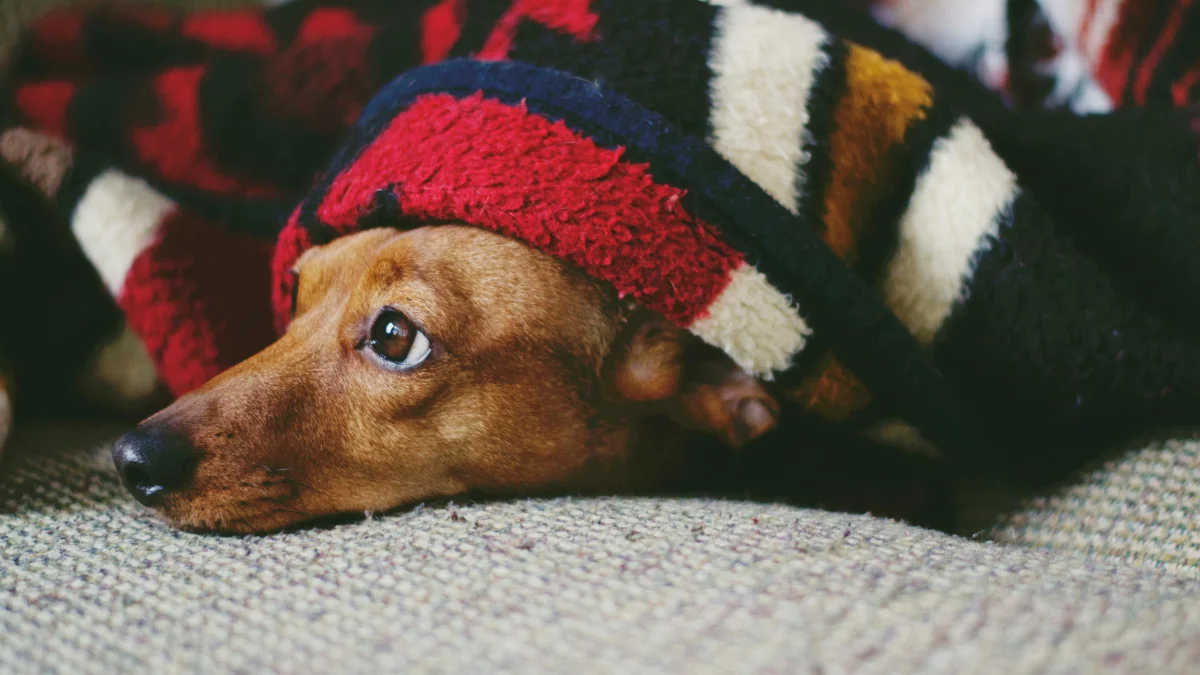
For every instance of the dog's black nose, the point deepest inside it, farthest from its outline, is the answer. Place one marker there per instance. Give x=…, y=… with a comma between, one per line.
x=153, y=461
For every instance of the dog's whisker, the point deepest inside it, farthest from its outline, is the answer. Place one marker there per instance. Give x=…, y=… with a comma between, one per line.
x=273, y=469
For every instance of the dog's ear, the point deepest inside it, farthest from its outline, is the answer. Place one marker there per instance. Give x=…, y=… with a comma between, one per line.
x=696, y=385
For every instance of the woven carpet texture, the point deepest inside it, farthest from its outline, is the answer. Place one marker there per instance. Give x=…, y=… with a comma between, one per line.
x=91, y=583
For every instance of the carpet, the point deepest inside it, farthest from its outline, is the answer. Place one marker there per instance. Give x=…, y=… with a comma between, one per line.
x=92, y=583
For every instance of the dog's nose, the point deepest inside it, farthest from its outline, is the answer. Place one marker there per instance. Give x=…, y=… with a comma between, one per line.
x=153, y=461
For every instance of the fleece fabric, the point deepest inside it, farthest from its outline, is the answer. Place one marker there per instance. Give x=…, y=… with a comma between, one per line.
x=842, y=213
x=1087, y=55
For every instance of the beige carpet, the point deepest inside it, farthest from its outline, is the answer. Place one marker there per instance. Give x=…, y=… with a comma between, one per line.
x=1143, y=507
x=91, y=583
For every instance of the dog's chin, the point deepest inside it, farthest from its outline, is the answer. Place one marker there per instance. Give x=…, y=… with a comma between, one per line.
x=232, y=521
x=270, y=504
x=232, y=514
x=213, y=515
x=250, y=502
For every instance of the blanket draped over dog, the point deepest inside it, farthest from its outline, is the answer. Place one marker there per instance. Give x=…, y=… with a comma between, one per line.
x=870, y=229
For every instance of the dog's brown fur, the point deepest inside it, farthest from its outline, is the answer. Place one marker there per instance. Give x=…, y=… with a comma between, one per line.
x=539, y=378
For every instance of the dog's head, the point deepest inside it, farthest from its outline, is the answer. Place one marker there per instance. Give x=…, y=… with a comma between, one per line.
x=429, y=363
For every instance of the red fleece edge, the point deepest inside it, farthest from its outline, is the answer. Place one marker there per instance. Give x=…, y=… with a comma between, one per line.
x=504, y=169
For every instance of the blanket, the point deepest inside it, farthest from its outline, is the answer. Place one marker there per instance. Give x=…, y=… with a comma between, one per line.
x=1086, y=55
x=887, y=242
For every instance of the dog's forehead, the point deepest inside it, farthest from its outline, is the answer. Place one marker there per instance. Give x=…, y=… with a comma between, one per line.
x=348, y=254
x=496, y=283
x=474, y=261
x=460, y=280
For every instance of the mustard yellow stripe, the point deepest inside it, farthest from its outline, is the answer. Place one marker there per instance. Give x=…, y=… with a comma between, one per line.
x=882, y=100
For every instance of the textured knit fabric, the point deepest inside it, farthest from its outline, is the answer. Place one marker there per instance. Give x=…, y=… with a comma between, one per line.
x=1089, y=55
x=90, y=583
x=877, y=239
x=15, y=14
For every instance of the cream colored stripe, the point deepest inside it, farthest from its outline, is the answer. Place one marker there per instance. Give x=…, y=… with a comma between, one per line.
x=755, y=324
x=764, y=63
x=952, y=29
x=116, y=220
x=1075, y=84
x=1105, y=19
x=954, y=214
x=1065, y=16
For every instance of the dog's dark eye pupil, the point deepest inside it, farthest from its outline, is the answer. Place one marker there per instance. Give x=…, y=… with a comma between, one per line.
x=392, y=336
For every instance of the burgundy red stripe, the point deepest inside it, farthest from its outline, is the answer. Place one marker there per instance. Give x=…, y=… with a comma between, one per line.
x=174, y=147
x=1165, y=40
x=441, y=27
x=243, y=31
x=194, y=317
x=1120, y=51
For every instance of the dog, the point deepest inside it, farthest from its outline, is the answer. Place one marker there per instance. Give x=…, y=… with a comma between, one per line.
x=420, y=364
x=433, y=362
x=428, y=357
x=446, y=360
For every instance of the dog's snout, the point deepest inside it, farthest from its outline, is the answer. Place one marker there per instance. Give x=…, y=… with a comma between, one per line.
x=153, y=461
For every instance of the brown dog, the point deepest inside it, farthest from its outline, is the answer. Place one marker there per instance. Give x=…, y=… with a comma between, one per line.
x=429, y=363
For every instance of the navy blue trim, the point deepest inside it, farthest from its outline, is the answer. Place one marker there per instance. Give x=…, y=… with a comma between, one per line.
x=840, y=305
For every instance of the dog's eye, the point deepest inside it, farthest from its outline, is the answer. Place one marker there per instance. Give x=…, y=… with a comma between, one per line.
x=396, y=340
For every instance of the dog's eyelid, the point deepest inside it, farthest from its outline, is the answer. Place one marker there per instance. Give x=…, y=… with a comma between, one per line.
x=413, y=316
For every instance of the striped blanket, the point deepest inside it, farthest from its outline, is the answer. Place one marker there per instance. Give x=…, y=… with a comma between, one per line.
x=1086, y=55
x=845, y=214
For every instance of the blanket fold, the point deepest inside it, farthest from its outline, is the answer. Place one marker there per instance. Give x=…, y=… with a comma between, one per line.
x=840, y=212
